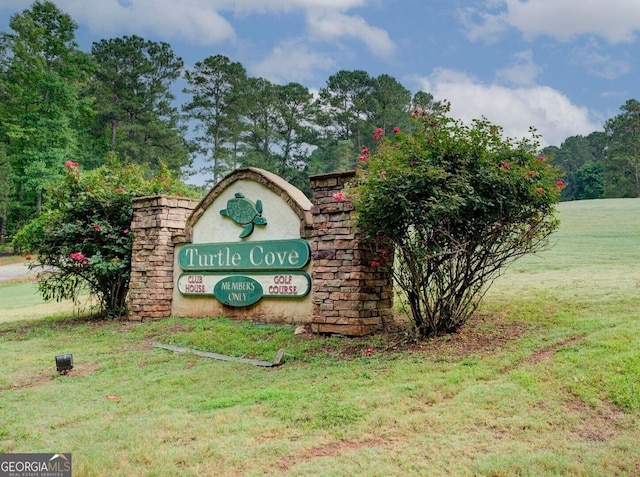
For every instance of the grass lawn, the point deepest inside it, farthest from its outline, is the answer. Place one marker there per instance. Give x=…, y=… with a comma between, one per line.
x=543, y=381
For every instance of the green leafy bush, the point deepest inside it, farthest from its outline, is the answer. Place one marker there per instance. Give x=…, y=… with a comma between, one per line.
x=83, y=241
x=457, y=203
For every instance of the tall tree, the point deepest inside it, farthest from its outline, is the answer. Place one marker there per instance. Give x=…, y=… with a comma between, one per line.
x=423, y=101
x=574, y=153
x=589, y=183
x=259, y=117
x=353, y=105
x=346, y=104
x=331, y=156
x=43, y=73
x=580, y=158
x=136, y=116
x=216, y=86
x=391, y=103
x=294, y=116
x=6, y=193
x=622, y=158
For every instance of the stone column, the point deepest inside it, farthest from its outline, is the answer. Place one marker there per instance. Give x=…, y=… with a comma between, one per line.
x=156, y=220
x=351, y=294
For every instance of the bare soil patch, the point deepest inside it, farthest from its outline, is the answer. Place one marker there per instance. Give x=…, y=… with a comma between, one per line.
x=83, y=369
x=482, y=334
x=328, y=450
x=548, y=353
x=596, y=424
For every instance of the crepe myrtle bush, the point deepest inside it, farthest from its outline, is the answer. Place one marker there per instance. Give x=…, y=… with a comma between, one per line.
x=457, y=203
x=83, y=240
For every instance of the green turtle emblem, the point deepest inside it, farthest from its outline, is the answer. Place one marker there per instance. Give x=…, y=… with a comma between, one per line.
x=244, y=212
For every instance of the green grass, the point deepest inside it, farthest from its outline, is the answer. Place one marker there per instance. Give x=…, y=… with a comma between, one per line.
x=18, y=294
x=544, y=381
x=20, y=300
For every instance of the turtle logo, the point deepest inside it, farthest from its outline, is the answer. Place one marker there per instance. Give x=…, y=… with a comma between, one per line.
x=245, y=213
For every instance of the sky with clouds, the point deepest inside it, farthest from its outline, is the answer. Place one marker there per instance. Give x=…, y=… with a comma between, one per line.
x=561, y=66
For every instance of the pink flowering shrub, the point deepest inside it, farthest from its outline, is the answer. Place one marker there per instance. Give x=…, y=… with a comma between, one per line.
x=456, y=202
x=85, y=237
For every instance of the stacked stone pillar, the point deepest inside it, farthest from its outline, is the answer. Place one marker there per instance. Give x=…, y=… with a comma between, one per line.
x=352, y=294
x=156, y=220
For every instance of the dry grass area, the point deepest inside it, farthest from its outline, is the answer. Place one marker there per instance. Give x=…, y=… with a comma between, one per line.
x=13, y=259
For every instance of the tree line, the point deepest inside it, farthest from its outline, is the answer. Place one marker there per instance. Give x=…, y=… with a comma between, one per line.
x=603, y=164
x=115, y=103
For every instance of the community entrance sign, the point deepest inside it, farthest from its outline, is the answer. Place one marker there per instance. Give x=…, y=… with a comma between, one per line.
x=254, y=249
x=246, y=251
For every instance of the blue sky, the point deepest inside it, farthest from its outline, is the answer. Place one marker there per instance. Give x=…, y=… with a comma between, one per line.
x=561, y=66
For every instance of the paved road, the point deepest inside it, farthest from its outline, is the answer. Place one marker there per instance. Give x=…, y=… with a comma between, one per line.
x=8, y=272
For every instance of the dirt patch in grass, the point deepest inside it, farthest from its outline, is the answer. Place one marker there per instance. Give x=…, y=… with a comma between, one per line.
x=83, y=369
x=482, y=334
x=596, y=424
x=21, y=328
x=548, y=353
x=30, y=382
x=328, y=450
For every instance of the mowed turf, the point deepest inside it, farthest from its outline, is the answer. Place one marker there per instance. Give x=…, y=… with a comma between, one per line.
x=543, y=381
x=20, y=300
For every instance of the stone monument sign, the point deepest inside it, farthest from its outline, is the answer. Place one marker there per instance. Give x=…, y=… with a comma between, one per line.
x=256, y=248
x=245, y=252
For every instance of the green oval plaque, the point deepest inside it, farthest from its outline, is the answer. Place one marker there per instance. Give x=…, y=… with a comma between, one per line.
x=238, y=290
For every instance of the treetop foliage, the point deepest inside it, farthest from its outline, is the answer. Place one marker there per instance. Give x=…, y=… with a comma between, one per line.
x=58, y=103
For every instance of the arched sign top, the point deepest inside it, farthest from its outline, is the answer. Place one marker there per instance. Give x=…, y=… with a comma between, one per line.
x=289, y=195
x=248, y=239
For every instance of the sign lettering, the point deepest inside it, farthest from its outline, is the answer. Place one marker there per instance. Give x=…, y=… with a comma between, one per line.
x=267, y=255
x=240, y=289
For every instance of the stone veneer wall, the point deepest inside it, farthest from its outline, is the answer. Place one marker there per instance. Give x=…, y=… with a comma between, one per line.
x=350, y=296
x=156, y=220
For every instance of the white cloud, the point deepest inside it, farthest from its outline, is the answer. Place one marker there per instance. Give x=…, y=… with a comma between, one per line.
x=211, y=22
x=522, y=72
x=515, y=109
x=194, y=20
x=262, y=6
x=330, y=26
x=598, y=63
x=207, y=22
x=483, y=26
x=202, y=21
x=291, y=61
x=614, y=20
